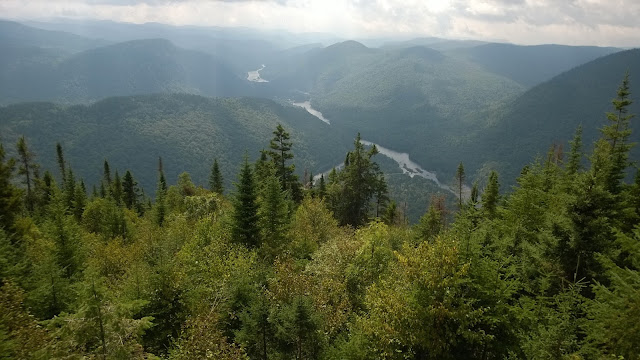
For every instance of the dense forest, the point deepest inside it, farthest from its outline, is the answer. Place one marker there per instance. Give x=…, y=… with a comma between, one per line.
x=285, y=267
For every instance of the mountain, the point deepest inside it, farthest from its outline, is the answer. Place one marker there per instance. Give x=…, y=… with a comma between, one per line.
x=129, y=68
x=531, y=65
x=187, y=131
x=550, y=113
x=13, y=34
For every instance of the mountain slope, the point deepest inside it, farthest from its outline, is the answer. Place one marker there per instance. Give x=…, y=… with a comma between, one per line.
x=188, y=131
x=531, y=65
x=130, y=68
x=14, y=34
x=550, y=113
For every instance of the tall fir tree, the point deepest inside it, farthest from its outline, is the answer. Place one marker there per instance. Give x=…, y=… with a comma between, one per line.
x=280, y=154
x=575, y=156
x=129, y=191
x=61, y=163
x=9, y=194
x=215, y=179
x=460, y=176
x=273, y=215
x=491, y=195
x=28, y=168
x=245, y=215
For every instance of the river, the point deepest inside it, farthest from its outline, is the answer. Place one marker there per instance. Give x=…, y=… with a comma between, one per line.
x=255, y=75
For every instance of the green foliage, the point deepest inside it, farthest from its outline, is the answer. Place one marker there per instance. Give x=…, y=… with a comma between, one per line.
x=245, y=215
x=9, y=194
x=216, y=183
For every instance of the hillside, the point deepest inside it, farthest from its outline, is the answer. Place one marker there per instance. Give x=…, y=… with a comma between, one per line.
x=188, y=131
x=530, y=65
x=129, y=68
x=550, y=113
x=13, y=34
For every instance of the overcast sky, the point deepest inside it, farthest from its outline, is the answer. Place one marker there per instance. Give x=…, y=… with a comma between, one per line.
x=575, y=22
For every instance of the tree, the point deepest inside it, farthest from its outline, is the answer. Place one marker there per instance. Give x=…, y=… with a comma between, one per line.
x=27, y=168
x=617, y=135
x=9, y=194
x=280, y=153
x=353, y=188
x=116, y=189
x=129, y=191
x=491, y=194
x=61, y=163
x=575, y=156
x=473, y=199
x=161, y=192
x=460, y=182
x=215, y=179
x=245, y=215
x=273, y=218
x=107, y=174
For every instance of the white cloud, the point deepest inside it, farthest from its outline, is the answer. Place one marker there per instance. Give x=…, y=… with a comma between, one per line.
x=596, y=22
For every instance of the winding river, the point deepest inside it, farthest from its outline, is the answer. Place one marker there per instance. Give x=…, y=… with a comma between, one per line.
x=255, y=75
x=403, y=160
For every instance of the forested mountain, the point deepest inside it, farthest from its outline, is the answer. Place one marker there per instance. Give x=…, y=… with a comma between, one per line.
x=550, y=113
x=13, y=34
x=530, y=65
x=187, y=131
x=135, y=67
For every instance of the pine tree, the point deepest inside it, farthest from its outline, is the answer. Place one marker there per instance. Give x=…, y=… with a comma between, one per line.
x=575, y=156
x=322, y=188
x=116, y=189
x=617, y=135
x=273, y=213
x=129, y=191
x=9, y=194
x=27, y=168
x=460, y=182
x=245, y=215
x=61, y=163
x=491, y=195
x=475, y=194
x=107, y=174
x=161, y=192
x=215, y=179
x=79, y=200
x=280, y=153
x=69, y=189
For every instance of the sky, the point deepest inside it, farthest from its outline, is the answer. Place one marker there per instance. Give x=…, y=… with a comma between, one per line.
x=572, y=22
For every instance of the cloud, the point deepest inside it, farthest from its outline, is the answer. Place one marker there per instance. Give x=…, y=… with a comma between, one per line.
x=595, y=22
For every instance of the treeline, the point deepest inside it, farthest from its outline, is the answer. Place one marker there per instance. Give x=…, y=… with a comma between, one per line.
x=283, y=268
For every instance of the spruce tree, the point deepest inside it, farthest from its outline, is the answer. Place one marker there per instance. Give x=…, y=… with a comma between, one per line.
x=274, y=217
x=161, y=192
x=245, y=215
x=9, y=194
x=215, y=179
x=460, y=182
x=61, y=163
x=107, y=174
x=27, y=168
x=491, y=195
x=280, y=154
x=116, y=189
x=129, y=191
x=617, y=135
x=575, y=156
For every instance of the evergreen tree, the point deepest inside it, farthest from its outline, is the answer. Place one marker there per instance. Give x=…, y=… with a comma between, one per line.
x=107, y=174
x=116, y=189
x=245, y=214
x=353, y=188
x=322, y=188
x=27, y=168
x=161, y=192
x=9, y=194
x=61, y=163
x=69, y=189
x=475, y=194
x=79, y=200
x=280, y=153
x=575, y=157
x=274, y=218
x=215, y=179
x=129, y=191
x=491, y=195
x=460, y=182
x=617, y=135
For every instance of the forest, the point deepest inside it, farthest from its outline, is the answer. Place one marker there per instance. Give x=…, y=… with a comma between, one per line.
x=284, y=267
